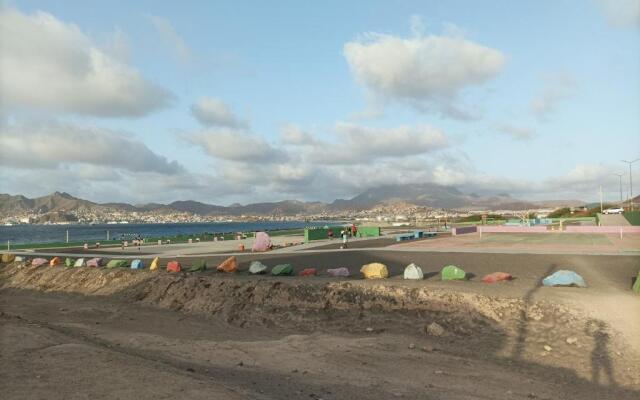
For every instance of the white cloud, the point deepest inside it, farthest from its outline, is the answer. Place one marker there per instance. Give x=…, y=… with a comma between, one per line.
x=355, y=142
x=53, y=144
x=302, y=165
x=235, y=145
x=210, y=111
x=292, y=134
x=621, y=13
x=50, y=65
x=167, y=32
x=445, y=175
x=515, y=132
x=557, y=88
x=427, y=72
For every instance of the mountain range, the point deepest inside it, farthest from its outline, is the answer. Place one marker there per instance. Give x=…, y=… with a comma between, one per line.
x=425, y=195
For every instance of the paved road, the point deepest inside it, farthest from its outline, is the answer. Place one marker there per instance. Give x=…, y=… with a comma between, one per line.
x=613, y=220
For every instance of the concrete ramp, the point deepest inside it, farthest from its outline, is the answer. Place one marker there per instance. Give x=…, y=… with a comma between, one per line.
x=613, y=220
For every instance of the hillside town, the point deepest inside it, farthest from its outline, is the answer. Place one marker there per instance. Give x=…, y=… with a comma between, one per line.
x=390, y=213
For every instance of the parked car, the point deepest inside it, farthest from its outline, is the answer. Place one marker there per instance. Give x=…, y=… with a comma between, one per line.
x=613, y=211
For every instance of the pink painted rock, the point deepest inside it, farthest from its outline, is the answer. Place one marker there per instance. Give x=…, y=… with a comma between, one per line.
x=338, y=272
x=37, y=262
x=262, y=242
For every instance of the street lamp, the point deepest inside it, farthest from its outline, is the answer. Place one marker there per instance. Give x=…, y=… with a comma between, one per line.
x=620, y=176
x=631, y=181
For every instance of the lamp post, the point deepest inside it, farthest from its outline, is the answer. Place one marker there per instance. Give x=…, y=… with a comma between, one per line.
x=620, y=176
x=631, y=182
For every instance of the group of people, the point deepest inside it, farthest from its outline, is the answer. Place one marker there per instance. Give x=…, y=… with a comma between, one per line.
x=345, y=233
x=136, y=241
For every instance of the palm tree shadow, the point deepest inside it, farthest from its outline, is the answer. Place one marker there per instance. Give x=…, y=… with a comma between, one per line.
x=523, y=326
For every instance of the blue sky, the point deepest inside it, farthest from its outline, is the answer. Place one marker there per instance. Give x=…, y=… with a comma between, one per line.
x=318, y=100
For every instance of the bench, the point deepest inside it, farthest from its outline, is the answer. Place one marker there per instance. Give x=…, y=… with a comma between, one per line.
x=404, y=236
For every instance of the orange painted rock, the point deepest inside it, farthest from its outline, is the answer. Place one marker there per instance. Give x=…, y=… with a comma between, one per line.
x=228, y=265
x=174, y=266
x=308, y=272
x=496, y=277
x=55, y=261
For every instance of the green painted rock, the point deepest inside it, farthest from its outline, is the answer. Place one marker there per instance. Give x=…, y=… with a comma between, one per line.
x=117, y=264
x=199, y=265
x=453, y=273
x=68, y=262
x=282, y=270
x=636, y=286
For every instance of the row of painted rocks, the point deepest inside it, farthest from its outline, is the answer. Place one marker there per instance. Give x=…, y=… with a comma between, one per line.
x=369, y=271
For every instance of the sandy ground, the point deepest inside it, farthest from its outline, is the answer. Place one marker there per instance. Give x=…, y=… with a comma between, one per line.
x=89, y=334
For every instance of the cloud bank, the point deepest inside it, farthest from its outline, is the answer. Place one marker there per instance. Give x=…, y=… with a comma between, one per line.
x=51, y=65
x=51, y=144
x=621, y=13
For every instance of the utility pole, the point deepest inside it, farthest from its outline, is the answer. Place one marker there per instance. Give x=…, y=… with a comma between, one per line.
x=630, y=182
x=620, y=176
x=600, y=199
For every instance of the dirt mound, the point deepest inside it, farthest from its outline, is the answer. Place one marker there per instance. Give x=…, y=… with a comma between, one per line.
x=84, y=280
x=267, y=301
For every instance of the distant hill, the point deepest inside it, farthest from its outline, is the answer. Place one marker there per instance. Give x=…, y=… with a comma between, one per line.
x=422, y=195
x=52, y=203
x=425, y=195
x=432, y=195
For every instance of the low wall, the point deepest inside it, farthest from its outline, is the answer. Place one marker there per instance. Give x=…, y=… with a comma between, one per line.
x=512, y=229
x=368, y=231
x=567, y=229
x=602, y=229
x=321, y=233
x=461, y=230
x=633, y=217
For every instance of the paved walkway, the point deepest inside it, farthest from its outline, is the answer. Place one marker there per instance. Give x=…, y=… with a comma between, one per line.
x=512, y=244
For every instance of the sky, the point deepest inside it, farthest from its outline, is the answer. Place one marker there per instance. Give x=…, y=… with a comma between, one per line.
x=248, y=101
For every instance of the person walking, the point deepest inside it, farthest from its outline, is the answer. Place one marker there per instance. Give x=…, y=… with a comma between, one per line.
x=345, y=236
x=330, y=234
